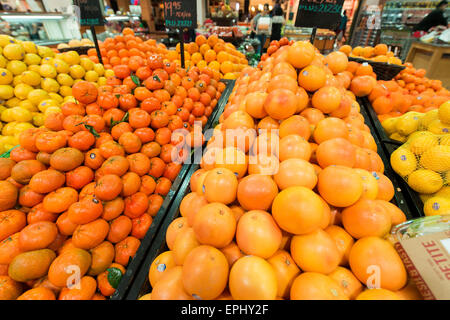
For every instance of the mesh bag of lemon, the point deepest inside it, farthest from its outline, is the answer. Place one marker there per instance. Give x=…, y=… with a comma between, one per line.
x=35, y=81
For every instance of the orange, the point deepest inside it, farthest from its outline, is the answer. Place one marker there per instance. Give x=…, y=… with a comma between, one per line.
x=327, y=99
x=385, y=187
x=300, y=54
x=294, y=146
x=285, y=270
x=162, y=263
x=170, y=286
x=295, y=125
x=337, y=151
x=312, y=78
x=298, y=210
x=336, y=62
x=254, y=104
x=330, y=128
x=377, y=294
x=316, y=286
x=281, y=104
x=347, y=281
x=370, y=185
x=343, y=240
x=220, y=185
x=295, y=172
x=233, y=159
x=256, y=192
x=396, y=214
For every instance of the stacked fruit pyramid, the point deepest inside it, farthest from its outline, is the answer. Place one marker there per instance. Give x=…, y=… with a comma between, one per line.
x=424, y=159
x=298, y=206
x=34, y=81
x=80, y=193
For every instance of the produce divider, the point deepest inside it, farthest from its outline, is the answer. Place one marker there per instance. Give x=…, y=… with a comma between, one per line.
x=140, y=284
x=163, y=217
x=405, y=198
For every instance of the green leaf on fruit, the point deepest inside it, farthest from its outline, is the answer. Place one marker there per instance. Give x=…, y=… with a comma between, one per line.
x=136, y=80
x=114, y=277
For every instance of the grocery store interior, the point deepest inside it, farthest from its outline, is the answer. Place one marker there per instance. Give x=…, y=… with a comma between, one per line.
x=224, y=150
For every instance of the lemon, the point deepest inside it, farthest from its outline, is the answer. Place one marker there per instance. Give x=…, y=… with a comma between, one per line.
x=13, y=102
x=398, y=137
x=436, y=158
x=101, y=81
x=109, y=73
x=91, y=76
x=389, y=125
x=22, y=90
x=425, y=181
x=47, y=60
x=445, y=140
x=407, y=124
x=403, y=161
x=35, y=67
x=31, y=78
x=30, y=47
x=77, y=71
x=61, y=66
x=8, y=129
x=444, y=192
x=439, y=127
x=6, y=92
x=45, y=52
x=26, y=104
x=444, y=112
x=87, y=64
x=56, y=97
x=51, y=110
x=3, y=61
x=2, y=108
x=38, y=119
x=48, y=71
x=5, y=40
x=6, y=76
x=65, y=91
x=64, y=79
x=437, y=206
x=14, y=51
x=71, y=57
x=98, y=67
x=70, y=99
x=16, y=67
x=425, y=197
x=44, y=104
x=419, y=144
x=37, y=95
x=7, y=116
x=50, y=85
x=19, y=127
x=21, y=114
x=429, y=117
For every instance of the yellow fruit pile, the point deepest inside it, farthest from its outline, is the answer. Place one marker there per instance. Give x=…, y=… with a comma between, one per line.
x=35, y=81
x=424, y=160
x=211, y=52
x=76, y=43
x=379, y=53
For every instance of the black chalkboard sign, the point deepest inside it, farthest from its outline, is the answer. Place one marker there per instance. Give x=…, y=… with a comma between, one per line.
x=180, y=14
x=91, y=12
x=324, y=14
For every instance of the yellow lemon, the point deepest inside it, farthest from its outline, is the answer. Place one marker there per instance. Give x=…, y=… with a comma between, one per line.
x=48, y=71
x=429, y=117
x=38, y=119
x=98, y=67
x=445, y=140
x=6, y=76
x=420, y=143
x=425, y=181
x=214, y=65
x=47, y=60
x=31, y=78
x=21, y=114
x=26, y=104
x=87, y=64
x=37, y=95
x=101, y=81
x=444, y=112
x=91, y=76
x=22, y=90
x=30, y=47
x=2, y=108
x=5, y=40
x=50, y=85
x=14, y=51
x=51, y=110
x=109, y=73
x=44, y=104
x=403, y=161
x=439, y=127
x=77, y=71
x=425, y=197
x=45, y=52
x=444, y=192
x=61, y=66
x=7, y=116
x=230, y=76
x=6, y=92
x=56, y=97
x=17, y=80
x=34, y=67
x=16, y=67
x=70, y=99
x=13, y=102
x=64, y=79
x=71, y=57
x=19, y=127
x=65, y=91
x=3, y=61
x=202, y=64
x=437, y=206
x=407, y=124
x=398, y=137
x=436, y=158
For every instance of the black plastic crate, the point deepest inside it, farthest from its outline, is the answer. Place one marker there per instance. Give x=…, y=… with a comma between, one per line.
x=170, y=201
x=383, y=70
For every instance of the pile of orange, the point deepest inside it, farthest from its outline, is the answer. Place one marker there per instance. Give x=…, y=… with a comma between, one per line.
x=379, y=53
x=274, y=45
x=122, y=48
x=211, y=52
x=290, y=201
x=81, y=193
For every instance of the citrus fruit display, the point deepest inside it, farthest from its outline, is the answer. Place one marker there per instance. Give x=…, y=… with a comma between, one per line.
x=212, y=52
x=379, y=53
x=290, y=200
x=34, y=82
x=80, y=193
x=76, y=43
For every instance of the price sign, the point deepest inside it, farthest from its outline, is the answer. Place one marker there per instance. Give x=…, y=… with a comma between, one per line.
x=180, y=14
x=319, y=13
x=91, y=12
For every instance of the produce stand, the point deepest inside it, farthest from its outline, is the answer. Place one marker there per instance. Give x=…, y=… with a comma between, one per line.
x=405, y=198
x=164, y=215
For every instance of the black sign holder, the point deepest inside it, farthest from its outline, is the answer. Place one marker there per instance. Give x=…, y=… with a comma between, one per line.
x=94, y=35
x=313, y=35
x=181, y=34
